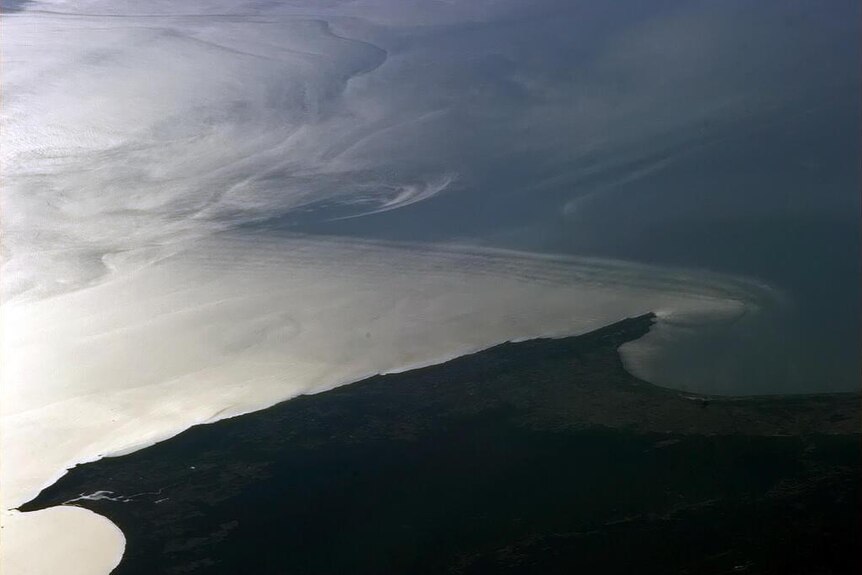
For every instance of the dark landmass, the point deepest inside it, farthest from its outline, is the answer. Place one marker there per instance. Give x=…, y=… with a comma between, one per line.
x=537, y=457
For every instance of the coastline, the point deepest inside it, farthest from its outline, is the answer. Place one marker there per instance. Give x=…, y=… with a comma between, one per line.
x=90, y=541
x=198, y=346
x=71, y=540
x=777, y=416
x=66, y=533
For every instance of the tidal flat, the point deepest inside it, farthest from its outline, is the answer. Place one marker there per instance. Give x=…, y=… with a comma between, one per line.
x=543, y=456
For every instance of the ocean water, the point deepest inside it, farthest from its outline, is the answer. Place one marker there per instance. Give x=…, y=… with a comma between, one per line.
x=719, y=137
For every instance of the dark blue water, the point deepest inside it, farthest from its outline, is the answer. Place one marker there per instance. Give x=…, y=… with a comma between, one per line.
x=715, y=136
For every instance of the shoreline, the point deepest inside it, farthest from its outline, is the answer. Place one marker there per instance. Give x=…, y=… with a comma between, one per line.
x=227, y=414
x=764, y=429
x=41, y=525
x=97, y=544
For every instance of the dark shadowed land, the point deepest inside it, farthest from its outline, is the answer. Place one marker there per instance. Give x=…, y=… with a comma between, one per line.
x=537, y=457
